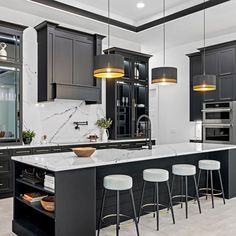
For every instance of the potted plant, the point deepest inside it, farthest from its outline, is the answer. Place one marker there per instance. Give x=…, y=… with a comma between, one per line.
x=28, y=136
x=104, y=124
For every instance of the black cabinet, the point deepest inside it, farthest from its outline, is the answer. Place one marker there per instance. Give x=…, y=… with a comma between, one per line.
x=227, y=61
x=65, y=64
x=220, y=61
x=11, y=37
x=127, y=98
x=196, y=98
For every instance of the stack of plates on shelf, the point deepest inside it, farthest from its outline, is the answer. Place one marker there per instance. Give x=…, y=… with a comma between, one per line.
x=49, y=181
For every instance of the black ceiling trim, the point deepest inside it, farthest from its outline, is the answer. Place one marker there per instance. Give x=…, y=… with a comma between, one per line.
x=179, y=14
x=104, y=19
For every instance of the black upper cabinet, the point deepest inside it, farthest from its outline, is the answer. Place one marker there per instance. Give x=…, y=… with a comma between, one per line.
x=127, y=97
x=65, y=64
x=211, y=69
x=227, y=61
x=220, y=61
x=196, y=98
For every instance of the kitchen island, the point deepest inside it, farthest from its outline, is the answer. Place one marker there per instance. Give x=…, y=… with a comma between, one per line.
x=79, y=183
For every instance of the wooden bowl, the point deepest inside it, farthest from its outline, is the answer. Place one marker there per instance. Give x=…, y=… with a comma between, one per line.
x=84, y=151
x=48, y=203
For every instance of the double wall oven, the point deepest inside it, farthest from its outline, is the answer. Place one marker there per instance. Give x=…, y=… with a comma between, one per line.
x=219, y=122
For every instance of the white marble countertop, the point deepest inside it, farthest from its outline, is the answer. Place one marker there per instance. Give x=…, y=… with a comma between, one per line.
x=68, y=144
x=69, y=161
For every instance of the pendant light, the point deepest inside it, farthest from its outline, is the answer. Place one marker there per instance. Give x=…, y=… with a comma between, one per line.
x=164, y=75
x=108, y=65
x=204, y=82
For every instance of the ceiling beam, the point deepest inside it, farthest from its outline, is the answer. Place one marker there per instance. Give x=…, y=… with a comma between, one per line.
x=120, y=24
x=179, y=14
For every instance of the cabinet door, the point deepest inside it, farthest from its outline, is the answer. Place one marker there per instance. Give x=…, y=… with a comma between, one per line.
x=227, y=61
x=211, y=69
x=124, y=109
x=63, y=59
x=83, y=63
x=196, y=98
x=226, y=87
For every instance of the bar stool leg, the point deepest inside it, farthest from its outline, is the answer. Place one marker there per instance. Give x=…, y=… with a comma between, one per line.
x=221, y=185
x=134, y=211
x=170, y=203
x=186, y=196
x=141, y=200
x=197, y=194
x=154, y=200
x=101, y=211
x=212, y=191
x=199, y=178
x=157, y=205
x=182, y=190
x=207, y=182
x=117, y=212
x=171, y=189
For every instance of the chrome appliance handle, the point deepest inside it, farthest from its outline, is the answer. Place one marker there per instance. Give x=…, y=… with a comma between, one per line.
x=217, y=110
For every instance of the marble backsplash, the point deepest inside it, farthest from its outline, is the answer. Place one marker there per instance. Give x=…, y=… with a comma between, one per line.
x=54, y=119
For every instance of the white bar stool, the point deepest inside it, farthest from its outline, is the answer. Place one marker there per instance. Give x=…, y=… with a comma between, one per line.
x=118, y=183
x=156, y=176
x=210, y=166
x=185, y=171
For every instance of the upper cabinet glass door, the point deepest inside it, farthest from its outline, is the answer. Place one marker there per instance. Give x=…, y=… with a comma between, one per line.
x=9, y=104
x=9, y=48
x=140, y=71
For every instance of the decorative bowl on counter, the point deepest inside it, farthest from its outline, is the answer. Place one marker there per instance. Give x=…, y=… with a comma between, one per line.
x=84, y=151
x=48, y=203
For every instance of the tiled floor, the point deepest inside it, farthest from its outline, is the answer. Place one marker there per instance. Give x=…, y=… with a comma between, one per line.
x=220, y=221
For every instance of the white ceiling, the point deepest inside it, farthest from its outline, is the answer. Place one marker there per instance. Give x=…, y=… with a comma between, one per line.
x=127, y=9
x=221, y=20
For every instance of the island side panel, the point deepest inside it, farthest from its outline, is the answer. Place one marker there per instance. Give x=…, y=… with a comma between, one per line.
x=232, y=173
x=75, y=202
x=227, y=159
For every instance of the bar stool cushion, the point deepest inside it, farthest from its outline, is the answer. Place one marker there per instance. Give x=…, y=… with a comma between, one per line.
x=209, y=165
x=117, y=182
x=155, y=175
x=183, y=169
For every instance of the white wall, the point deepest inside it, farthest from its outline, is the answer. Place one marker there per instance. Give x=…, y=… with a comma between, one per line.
x=172, y=110
x=55, y=119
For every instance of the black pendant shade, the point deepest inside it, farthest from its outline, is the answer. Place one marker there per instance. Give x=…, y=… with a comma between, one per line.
x=108, y=66
x=204, y=83
x=164, y=75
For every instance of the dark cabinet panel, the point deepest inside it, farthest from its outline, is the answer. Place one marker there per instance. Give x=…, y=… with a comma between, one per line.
x=211, y=69
x=226, y=87
x=227, y=61
x=83, y=63
x=196, y=98
x=65, y=64
x=63, y=60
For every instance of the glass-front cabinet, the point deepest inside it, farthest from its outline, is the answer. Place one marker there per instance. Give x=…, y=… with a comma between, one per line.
x=10, y=83
x=127, y=97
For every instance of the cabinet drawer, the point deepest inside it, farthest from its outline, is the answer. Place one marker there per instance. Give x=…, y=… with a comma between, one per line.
x=56, y=149
x=22, y=152
x=5, y=165
x=41, y=150
x=4, y=152
x=5, y=183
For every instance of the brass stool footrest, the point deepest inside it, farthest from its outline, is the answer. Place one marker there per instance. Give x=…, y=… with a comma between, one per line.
x=121, y=215
x=216, y=192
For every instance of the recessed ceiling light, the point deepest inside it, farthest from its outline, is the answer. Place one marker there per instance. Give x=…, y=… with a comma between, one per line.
x=140, y=5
